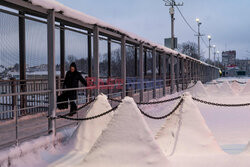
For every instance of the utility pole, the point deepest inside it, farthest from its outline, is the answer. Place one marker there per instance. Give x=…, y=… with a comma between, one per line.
x=214, y=46
x=209, y=45
x=172, y=4
x=199, y=35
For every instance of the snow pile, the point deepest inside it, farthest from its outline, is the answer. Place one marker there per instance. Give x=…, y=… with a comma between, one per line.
x=226, y=89
x=236, y=87
x=88, y=131
x=14, y=155
x=193, y=137
x=166, y=137
x=127, y=141
x=198, y=90
x=248, y=148
x=246, y=90
x=213, y=89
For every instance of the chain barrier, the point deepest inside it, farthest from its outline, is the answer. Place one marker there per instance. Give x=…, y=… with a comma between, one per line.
x=239, y=82
x=102, y=114
x=165, y=116
x=149, y=103
x=88, y=118
x=219, y=104
x=65, y=115
x=158, y=102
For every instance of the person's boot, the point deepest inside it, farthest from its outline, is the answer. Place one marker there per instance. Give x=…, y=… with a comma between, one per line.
x=73, y=109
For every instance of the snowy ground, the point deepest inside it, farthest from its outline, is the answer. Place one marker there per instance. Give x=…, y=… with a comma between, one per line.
x=196, y=135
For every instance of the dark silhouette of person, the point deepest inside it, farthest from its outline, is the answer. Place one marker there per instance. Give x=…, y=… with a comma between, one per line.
x=71, y=81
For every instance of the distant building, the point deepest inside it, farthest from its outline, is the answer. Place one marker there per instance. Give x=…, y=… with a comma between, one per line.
x=229, y=58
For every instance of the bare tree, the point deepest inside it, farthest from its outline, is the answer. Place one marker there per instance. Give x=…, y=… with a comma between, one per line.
x=190, y=49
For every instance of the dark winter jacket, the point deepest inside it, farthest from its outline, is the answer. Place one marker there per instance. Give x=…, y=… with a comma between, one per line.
x=72, y=78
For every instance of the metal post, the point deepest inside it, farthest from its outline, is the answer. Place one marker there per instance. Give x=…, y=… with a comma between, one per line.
x=22, y=59
x=96, y=59
x=109, y=57
x=136, y=62
x=182, y=72
x=51, y=71
x=62, y=50
x=89, y=92
x=190, y=71
x=154, y=72
x=89, y=54
x=177, y=73
x=123, y=65
x=141, y=71
x=164, y=72
x=172, y=74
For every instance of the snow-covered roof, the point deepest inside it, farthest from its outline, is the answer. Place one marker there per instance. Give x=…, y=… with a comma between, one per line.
x=82, y=17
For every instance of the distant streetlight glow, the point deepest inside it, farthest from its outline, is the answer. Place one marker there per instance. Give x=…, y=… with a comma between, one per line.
x=197, y=20
x=209, y=36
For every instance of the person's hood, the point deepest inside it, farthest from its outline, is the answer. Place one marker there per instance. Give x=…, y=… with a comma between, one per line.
x=73, y=65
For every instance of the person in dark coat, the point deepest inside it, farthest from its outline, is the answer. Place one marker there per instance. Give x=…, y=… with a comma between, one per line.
x=71, y=81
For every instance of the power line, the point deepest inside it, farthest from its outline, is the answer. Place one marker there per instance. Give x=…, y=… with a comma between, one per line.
x=186, y=20
x=204, y=42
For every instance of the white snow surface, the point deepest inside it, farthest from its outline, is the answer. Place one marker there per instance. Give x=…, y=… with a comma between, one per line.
x=246, y=90
x=127, y=141
x=191, y=137
x=186, y=132
x=87, y=132
x=198, y=90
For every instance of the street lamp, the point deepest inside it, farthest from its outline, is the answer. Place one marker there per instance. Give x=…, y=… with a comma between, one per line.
x=214, y=46
x=209, y=46
x=218, y=56
x=199, y=35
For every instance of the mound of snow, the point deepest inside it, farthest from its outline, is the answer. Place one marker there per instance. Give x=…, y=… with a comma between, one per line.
x=226, y=90
x=236, y=87
x=192, y=136
x=198, y=90
x=87, y=132
x=166, y=136
x=127, y=141
x=246, y=89
x=213, y=89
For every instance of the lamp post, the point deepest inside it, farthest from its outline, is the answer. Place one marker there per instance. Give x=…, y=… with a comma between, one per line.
x=199, y=35
x=214, y=46
x=218, y=56
x=209, y=45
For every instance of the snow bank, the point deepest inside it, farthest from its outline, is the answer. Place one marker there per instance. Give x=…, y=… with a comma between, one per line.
x=88, y=131
x=127, y=141
x=246, y=89
x=198, y=90
x=213, y=89
x=193, y=136
x=235, y=87
x=166, y=137
x=29, y=147
x=226, y=89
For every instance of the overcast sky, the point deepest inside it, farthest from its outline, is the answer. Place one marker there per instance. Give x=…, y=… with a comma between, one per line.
x=227, y=21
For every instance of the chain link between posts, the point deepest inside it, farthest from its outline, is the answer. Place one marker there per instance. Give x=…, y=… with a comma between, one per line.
x=219, y=104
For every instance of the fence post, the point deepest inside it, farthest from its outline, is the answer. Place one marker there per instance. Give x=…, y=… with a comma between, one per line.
x=177, y=72
x=123, y=65
x=22, y=59
x=96, y=59
x=164, y=72
x=182, y=72
x=141, y=71
x=154, y=72
x=172, y=74
x=51, y=72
